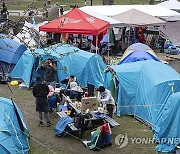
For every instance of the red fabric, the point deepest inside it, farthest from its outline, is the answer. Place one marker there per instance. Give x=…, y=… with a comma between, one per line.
x=105, y=128
x=140, y=34
x=76, y=22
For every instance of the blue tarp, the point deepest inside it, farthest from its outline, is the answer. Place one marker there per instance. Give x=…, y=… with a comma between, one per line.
x=87, y=67
x=144, y=88
x=138, y=56
x=10, y=52
x=12, y=139
x=167, y=131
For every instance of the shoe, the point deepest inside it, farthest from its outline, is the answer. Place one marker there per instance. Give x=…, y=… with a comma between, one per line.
x=40, y=123
x=49, y=124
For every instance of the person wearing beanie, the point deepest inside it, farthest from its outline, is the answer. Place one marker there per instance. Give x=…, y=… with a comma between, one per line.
x=106, y=100
x=40, y=92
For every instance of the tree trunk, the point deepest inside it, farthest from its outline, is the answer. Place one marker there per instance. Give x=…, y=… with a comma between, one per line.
x=151, y=2
x=108, y=2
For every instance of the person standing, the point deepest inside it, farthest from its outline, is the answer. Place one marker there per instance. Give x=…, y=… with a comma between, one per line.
x=50, y=71
x=40, y=92
x=106, y=100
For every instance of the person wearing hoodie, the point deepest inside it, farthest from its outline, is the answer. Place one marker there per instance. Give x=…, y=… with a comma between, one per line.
x=40, y=92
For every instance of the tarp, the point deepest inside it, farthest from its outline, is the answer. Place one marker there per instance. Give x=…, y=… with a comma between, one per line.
x=135, y=17
x=170, y=4
x=167, y=128
x=138, y=47
x=154, y=10
x=12, y=139
x=87, y=67
x=144, y=88
x=76, y=22
x=171, y=31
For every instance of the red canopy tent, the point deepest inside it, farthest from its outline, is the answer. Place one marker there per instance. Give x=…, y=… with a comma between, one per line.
x=76, y=22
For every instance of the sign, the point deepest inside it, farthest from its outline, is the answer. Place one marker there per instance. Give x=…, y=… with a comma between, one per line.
x=90, y=103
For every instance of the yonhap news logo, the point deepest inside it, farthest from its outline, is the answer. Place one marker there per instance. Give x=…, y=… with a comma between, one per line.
x=122, y=140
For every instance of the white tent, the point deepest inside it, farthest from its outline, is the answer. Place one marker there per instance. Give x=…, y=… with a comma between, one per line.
x=171, y=31
x=111, y=10
x=135, y=17
x=171, y=4
x=30, y=35
x=112, y=21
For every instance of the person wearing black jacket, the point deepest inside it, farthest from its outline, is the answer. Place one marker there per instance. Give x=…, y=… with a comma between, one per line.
x=50, y=72
x=40, y=92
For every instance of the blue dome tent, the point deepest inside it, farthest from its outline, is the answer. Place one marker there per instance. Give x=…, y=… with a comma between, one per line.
x=143, y=88
x=10, y=52
x=138, y=52
x=12, y=138
x=168, y=125
x=87, y=67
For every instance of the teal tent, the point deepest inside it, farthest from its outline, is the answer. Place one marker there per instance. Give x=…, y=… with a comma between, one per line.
x=143, y=87
x=12, y=138
x=87, y=67
x=167, y=131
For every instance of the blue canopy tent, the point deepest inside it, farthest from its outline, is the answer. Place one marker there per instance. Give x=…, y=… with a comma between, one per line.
x=12, y=138
x=87, y=67
x=10, y=52
x=138, y=52
x=167, y=130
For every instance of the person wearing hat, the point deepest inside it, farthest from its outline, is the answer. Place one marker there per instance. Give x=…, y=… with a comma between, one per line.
x=50, y=71
x=106, y=100
x=40, y=92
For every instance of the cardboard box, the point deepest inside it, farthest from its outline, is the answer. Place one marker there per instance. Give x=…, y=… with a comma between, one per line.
x=90, y=103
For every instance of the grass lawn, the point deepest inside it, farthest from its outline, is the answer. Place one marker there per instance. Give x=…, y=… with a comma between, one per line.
x=43, y=141
x=25, y=4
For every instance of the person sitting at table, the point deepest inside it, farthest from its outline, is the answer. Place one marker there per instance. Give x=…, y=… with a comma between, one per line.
x=106, y=100
x=52, y=98
x=75, y=91
x=68, y=80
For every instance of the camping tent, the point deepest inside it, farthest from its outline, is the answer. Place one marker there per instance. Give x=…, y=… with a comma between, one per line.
x=143, y=88
x=30, y=36
x=76, y=22
x=167, y=128
x=12, y=139
x=10, y=52
x=138, y=52
x=135, y=17
x=171, y=4
x=87, y=67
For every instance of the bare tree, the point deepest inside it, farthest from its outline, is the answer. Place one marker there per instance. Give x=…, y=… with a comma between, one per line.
x=151, y=2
